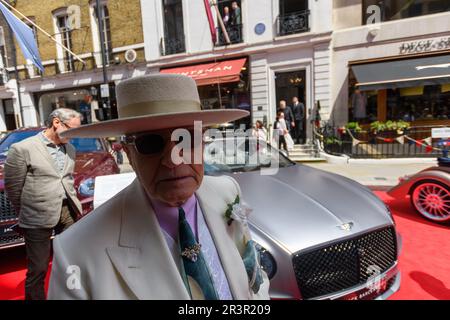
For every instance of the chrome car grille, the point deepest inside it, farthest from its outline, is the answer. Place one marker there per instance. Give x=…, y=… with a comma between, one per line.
x=7, y=211
x=345, y=264
x=10, y=240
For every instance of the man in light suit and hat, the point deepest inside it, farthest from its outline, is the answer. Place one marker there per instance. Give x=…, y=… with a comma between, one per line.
x=166, y=236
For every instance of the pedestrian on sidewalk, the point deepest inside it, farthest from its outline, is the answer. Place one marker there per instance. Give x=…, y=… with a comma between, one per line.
x=298, y=109
x=259, y=131
x=281, y=135
x=39, y=183
x=288, y=114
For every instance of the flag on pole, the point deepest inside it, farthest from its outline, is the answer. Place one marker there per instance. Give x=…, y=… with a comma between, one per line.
x=24, y=36
x=212, y=27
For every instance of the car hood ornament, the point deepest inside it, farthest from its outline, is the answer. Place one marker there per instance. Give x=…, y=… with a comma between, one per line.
x=348, y=226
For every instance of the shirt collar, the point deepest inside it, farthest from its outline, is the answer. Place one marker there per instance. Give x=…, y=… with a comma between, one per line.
x=48, y=142
x=168, y=216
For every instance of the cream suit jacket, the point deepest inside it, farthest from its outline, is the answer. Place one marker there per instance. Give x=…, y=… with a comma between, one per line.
x=119, y=251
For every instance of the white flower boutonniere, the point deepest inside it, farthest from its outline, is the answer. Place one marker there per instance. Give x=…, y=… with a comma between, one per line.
x=237, y=211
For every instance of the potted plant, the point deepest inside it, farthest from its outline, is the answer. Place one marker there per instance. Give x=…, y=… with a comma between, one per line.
x=388, y=130
x=353, y=127
x=377, y=126
x=332, y=144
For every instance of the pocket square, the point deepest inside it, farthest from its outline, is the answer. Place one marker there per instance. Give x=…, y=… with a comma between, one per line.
x=251, y=260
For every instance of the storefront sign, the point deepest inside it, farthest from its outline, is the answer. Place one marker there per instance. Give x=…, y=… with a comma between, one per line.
x=425, y=45
x=210, y=73
x=440, y=133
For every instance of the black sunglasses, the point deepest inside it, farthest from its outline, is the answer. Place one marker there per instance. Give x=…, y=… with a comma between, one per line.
x=152, y=143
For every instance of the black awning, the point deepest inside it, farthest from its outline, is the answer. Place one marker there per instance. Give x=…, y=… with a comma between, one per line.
x=403, y=73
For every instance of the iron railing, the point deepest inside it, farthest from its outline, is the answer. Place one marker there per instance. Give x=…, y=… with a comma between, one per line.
x=172, y=45
x=414, y=142
x=234, y=34
x=292, y=23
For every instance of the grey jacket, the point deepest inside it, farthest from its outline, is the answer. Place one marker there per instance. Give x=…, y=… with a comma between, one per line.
x=34, y=185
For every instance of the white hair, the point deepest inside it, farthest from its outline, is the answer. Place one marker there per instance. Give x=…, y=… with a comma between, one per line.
x=63, y=114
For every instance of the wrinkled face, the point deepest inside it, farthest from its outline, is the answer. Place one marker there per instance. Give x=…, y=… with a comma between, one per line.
x=60, y=126
x=161, y=178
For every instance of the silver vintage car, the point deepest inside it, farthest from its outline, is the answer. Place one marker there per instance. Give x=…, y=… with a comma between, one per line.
x=320, y=235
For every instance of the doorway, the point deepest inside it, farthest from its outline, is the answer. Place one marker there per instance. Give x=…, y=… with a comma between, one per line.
x=10, y=115
x=292, y=84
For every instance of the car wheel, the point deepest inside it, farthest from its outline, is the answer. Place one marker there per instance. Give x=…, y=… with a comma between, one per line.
x=432, y=200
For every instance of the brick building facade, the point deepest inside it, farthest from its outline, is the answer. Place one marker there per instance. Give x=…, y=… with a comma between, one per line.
x=67, y=82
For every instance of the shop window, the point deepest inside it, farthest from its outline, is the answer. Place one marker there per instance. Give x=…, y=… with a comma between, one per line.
x=293, y=18
x=173, y=41
x=231, y=95
x=419, y=103
x=362, y=105
x=231, y=16
x=78, y=99
x=409, y=104
x=388, y=10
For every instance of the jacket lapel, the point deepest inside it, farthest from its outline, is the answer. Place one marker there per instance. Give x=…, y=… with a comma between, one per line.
x=229, y=256
x=70, y=156
x=142, y=256
x=40, y=145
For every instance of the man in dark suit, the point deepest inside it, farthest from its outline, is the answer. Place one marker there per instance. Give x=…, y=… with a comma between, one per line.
x=39, y=184
x=298, y=109
x=288, y=114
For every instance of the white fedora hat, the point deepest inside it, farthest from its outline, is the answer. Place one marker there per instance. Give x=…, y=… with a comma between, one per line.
x=155, y=102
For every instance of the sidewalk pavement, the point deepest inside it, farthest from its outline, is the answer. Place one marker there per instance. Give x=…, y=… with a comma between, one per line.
x=377, y=176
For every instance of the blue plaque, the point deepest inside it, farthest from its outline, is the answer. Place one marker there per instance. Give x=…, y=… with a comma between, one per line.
x=260, y=28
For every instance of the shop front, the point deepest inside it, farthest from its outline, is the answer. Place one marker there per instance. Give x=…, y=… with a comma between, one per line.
x=391, y=105
x=90, y=101
x=221, y=85
x=414, y=89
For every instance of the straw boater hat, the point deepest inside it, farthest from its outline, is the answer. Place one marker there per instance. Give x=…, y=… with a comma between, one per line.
x=155, y=102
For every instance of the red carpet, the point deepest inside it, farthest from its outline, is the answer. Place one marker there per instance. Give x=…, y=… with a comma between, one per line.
x=12, y=274
x=424, y=260
x=425, y=257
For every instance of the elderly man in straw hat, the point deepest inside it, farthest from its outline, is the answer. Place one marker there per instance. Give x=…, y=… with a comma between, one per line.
x=166, y=236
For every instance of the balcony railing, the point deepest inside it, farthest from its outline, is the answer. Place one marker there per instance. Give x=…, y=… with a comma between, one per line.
x=172, y=45
x=234, y=34
x=292, y=23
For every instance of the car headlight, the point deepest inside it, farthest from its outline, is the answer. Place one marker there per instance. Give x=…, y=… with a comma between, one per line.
x=267, y=261
x=86, y=188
